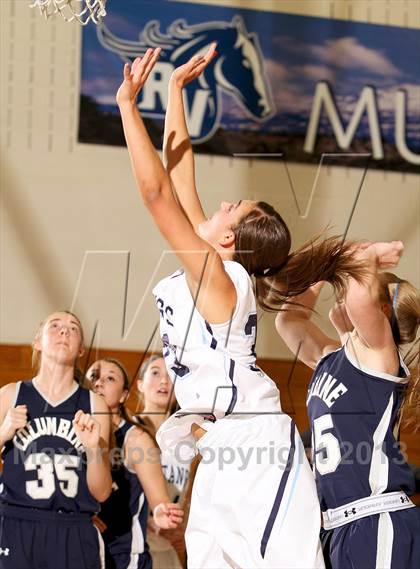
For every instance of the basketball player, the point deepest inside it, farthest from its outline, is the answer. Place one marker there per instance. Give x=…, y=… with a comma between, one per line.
x=137, y=478
x=157, y=403
x=54, y=436
x=252, y=511
x=354, y=402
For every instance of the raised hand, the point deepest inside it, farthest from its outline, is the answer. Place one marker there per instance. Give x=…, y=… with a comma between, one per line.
x=168, y=516
x=388, y=254
x=15, y=419
x=87, y=429
x=189, y=71
x=135, y=76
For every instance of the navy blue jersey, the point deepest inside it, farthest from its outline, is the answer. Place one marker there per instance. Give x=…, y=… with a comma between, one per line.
x=44, y=465
x=125, y=511
x=353, y=413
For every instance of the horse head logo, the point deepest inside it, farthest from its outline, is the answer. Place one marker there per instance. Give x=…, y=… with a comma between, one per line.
x=238, y=70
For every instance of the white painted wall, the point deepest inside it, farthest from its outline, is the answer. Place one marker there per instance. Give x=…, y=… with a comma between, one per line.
x=62, y=201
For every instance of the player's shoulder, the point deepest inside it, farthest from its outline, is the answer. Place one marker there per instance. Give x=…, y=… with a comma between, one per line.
x=236, y=271
x=8, y=397
x=138, y=437
x=8, y=392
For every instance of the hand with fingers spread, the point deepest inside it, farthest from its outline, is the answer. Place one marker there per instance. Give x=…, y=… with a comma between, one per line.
x=168, y=516
x=15, y=419
x=189, y=71
x=135, y=76
x=87, y=429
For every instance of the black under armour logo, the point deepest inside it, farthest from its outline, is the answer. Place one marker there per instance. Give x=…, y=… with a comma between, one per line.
x=348, y=513
x=404, y=499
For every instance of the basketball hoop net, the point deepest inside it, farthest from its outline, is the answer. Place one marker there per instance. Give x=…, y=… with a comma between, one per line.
x=81, y=10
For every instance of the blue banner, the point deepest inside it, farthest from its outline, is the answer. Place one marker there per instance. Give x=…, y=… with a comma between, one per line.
x=296, y=85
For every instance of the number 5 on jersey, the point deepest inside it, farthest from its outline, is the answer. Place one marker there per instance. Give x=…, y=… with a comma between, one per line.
x=327, y=453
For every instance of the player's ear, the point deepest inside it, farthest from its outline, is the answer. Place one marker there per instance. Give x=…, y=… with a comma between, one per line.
x=140, y=385
x=81, y=351
x=123, y=396
x=227, y=240
x=387, y=310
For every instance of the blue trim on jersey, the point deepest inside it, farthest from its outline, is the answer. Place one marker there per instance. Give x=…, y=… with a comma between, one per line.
x=213, y=344
x=280, y=492
x=234, y=388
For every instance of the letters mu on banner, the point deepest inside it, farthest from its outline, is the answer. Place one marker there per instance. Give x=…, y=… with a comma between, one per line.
x=296, y=85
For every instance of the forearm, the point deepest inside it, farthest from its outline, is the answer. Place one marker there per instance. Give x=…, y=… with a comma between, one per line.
x=302, y=336
x=148, y=169
x=302, y=305
x=158, y=493
x=177, y=148
x=361, y=294
x=179, y=156
x=98, y=473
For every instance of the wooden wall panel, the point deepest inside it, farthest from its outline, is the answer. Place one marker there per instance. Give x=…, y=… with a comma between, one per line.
x=15, y=364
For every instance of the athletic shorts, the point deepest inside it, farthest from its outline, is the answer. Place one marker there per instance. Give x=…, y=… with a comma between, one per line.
x=36, y=539
x=390, y=540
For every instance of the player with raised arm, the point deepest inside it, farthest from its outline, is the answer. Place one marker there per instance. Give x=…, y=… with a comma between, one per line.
x=251, y=516
x=354, y=403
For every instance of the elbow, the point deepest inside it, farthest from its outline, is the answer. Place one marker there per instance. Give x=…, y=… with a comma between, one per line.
x=103, y=494
x=152, y=194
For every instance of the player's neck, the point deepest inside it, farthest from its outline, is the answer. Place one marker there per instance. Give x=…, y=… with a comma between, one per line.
x=157, y=415
x=55, y=379
x=116, y=417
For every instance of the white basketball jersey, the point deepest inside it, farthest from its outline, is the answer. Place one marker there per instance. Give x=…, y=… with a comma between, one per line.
x=212, y=365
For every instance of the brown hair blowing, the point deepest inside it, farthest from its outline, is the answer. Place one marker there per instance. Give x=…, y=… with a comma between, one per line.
x=405, y=322
x=262, y=247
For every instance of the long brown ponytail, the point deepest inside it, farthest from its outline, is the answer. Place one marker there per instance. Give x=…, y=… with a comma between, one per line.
x=404, y=299
x=262, y=246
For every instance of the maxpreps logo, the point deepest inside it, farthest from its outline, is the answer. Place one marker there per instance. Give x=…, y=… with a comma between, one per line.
x=238, y=70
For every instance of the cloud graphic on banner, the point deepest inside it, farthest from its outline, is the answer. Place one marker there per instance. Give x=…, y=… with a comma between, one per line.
x=316, y=72
x=349, y=53
x=345, y=53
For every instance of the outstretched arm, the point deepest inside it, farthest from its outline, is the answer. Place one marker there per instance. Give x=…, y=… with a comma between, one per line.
x=340, y=320
x=304, y=338
x=363, y=299
x=203, y=265
x=177, y=147
x=142, y=456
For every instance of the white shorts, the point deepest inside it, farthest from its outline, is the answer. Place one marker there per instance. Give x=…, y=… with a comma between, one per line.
x=254, y=501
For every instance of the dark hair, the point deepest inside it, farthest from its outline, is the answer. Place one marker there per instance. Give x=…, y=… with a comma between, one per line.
x=78, y=375
x=123, y=409
x=262, y=247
